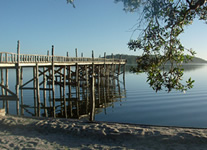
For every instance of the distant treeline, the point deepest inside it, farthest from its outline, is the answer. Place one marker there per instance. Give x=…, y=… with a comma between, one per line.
x=131, y=59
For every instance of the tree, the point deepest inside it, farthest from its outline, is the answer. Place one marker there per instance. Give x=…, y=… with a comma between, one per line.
x=161, y=22
x=164, y=21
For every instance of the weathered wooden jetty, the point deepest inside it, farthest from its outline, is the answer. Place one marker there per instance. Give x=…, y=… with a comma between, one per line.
x=76, y=78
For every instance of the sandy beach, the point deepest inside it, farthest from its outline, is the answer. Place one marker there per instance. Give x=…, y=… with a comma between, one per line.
x=48, y=133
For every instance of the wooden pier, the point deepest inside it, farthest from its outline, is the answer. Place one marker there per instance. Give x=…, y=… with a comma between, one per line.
x=75, y=78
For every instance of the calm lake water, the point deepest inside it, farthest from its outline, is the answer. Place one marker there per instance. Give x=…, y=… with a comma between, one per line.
x=137, y=103
x=142, y=105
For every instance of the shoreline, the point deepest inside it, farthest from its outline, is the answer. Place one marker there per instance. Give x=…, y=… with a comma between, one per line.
x=49, y=133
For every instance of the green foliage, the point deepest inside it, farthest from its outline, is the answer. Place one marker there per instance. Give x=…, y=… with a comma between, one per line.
x=130, y=5
x=71, y=2
x=165, y=21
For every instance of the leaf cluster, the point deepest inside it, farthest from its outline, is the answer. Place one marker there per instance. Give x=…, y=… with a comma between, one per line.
x=160, y=44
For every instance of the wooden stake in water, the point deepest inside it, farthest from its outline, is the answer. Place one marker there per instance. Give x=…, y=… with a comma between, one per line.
x=7, y=86
x=17, y=76
x=64, y=95
x=21, y=83
x=2, y=83
x=44, y=92
x=53, y=82
x=92, y=92
x=38, y=89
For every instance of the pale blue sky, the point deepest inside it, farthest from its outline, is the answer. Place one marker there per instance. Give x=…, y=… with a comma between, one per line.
x=99, y=25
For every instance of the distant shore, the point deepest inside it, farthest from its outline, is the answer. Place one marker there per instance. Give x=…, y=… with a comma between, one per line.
x=48, y=133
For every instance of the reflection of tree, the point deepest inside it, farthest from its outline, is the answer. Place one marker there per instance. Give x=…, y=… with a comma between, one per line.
x=187, y=68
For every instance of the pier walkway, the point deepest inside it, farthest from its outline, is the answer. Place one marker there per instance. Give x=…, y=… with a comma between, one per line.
x=77, y=79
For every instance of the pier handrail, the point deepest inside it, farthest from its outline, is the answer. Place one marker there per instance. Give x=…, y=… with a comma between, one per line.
x=7, y=57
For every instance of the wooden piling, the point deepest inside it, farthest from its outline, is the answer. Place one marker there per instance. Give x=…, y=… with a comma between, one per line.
x=69, y=91
x=77, y=88
x=76, y=53
x=35, y=90
x=44, y=92
x=61, y=92
x=17, y=77
x=92, y=92
x=38, y=89
x=21, y=91
x=64, y=94
x=2, y=83
x=7, y=86
x=53, y=83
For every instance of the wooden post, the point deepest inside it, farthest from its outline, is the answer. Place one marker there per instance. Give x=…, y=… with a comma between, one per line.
x=53, y=82
x=7, y=86
x=77, y=88
x=21, y=83
x=2, y=82
x=92, y=92
x=92, y=56
x=112, y=66
x=69, y=91
x=18, y=52
x=64, y=95
x=48, y=54
x=34, y=90
x=99, y=83
x=61, y=93
x=105, y=69
x=124, y=69
x=38, y=89
x=44, y=92
x=17, y=76
x=76, y=53
x=87, y=80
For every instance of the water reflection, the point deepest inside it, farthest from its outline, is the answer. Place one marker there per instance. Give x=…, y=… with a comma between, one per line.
x=107, y=91
x=186, y=67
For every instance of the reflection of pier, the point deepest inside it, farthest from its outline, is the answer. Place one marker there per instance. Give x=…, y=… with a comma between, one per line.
x=62, y=86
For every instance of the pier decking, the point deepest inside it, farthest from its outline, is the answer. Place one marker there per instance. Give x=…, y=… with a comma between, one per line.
x=80, y=75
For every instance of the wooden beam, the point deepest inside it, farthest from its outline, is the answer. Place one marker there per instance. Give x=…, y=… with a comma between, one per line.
x=8, y=98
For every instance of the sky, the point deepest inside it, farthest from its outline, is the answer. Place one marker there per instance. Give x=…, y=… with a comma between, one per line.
x=99, y=25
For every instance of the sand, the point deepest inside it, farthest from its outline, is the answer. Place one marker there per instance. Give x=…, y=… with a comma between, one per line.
x=48, y=133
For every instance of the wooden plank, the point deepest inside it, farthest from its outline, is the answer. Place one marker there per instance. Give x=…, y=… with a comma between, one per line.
x=67, y=99
x=8, y=98
x=26, y=83
x=46, y=89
